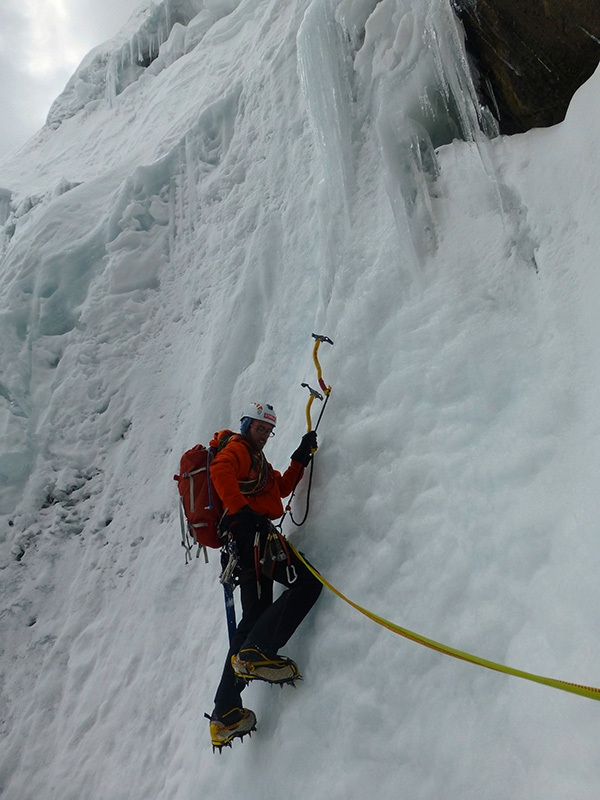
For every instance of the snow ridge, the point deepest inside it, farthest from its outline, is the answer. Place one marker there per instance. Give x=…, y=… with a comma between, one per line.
x=152, y=40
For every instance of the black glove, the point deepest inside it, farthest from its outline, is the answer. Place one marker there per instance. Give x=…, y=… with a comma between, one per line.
x=307, y=447
x=246, y=519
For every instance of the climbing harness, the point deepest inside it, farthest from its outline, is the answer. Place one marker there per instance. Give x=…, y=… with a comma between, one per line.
x=314, y=395
x=565, y=686
x=276, y=549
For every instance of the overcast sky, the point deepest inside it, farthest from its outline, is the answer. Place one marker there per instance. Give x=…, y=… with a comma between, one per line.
x=41, y=44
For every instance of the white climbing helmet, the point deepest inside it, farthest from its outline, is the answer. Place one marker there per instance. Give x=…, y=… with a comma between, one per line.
x=260, y=411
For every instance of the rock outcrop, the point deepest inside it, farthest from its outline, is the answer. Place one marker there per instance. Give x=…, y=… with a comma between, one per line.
x=530, y=56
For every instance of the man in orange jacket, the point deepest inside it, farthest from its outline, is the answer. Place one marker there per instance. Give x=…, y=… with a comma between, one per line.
x=251, y=492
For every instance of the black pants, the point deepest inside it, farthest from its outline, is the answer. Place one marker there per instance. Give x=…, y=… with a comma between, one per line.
x=265, y=624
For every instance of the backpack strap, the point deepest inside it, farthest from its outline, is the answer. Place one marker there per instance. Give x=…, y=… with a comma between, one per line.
x=186, y=541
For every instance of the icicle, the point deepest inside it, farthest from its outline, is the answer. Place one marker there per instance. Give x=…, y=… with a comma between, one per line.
x=112, y=73
x=322, y=66
x=455, y=76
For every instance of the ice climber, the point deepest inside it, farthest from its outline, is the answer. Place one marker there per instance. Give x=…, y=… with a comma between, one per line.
x=251, y=492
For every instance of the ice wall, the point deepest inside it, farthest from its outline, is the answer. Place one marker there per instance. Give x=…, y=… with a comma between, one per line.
x=170, y=172
x=388, y=74
x=404, y=64
x=166, y=254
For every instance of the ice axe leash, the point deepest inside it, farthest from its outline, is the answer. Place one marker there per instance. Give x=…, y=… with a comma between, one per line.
x=322, y=396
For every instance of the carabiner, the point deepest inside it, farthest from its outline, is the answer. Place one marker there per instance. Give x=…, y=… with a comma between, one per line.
x=291, y=573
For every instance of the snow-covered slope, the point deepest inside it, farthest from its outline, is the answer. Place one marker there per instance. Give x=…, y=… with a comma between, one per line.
x=218, y=182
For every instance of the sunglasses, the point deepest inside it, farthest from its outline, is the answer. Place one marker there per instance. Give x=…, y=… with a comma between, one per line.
x=262, y=430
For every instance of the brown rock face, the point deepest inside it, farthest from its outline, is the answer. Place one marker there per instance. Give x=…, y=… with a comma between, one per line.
x=531, y=55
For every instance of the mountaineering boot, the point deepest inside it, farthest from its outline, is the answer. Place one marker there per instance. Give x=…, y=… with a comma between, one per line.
x=225, y=727
x=252, y=664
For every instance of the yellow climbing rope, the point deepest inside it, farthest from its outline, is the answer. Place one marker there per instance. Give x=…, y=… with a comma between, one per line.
x=565, y=686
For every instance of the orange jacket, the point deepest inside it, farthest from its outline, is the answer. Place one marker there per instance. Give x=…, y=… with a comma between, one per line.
x=233, y=464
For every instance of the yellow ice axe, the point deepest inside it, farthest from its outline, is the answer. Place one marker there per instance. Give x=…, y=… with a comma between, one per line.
x=313, y=392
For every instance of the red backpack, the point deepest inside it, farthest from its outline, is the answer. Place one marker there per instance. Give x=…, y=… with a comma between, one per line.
x=200, y=507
